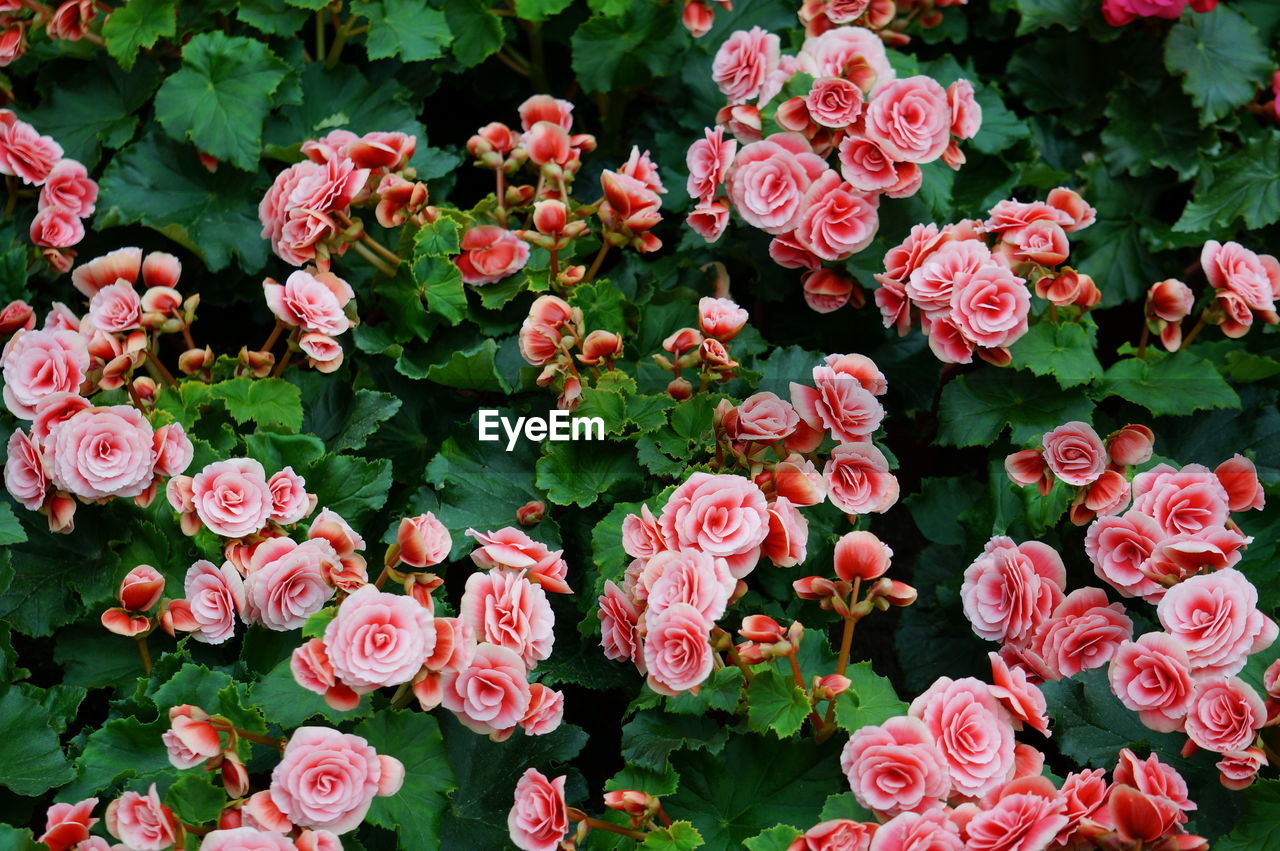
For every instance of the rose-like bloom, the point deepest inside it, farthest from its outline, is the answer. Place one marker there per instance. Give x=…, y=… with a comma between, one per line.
x=174, y=450
x=928, y=831
x=837, y=220
x=865, y=165
x=213, y=597
x=932, y=283
x=1011, y=589
x=141, y=821
x=971, y=730
x=708, y=219
x=641, y=534
x=722, y=515
x=246, y=839
x=546, y=108
x=690, y=577
x=1238, y=769
x=289, y=499
x=1216, y=618
x=329, y=186
x=24, y=152
x=787, y=253
x=70, y=187
x=1131, y=445
x=990, y=306
x=896, y=767
x=1237, y=318
x=1083, y=632
x=1209, y=549
x=910, y=119
x=1152, y=777
x=764, y=417
x=618, y=620
x=677, y=651
x=834, y=102
x=743, y=63
x=708, y=161
x=786, y=545
x=1041, y=242
x=1028, y=814
x=546, y=710
x=1012, y=687
x=67, y=825
x=1028, y=467
x=1170, y=300
x=38, y=364
x=1085, y=792
x=720, y=318
x=423, y=541
x=504, y=608
x=378, y=639
x=1152, y=676
x=310, y=300
x=328, y=779
x=966, y=113
x=510, y=547
x=491, y=694
x=1234, y=268
x=1075, y=453
x=1121, y=549
x=826, y=290
x=17, y=315
x=548, y=143
x=490, y=253
x=1185, y=500
x=539, y=818
x=1012, y=214
x=840, y=834
x=1239, y=478
x=854, y=53
x=56, y=227
x=24, y=471
x=232, y=497
x=289, y=582
x=312, y=670
x=190, y=739
x=769, y=178
x=101, y=452
x=840, y=403
x=858, y=479
x=1225, y=715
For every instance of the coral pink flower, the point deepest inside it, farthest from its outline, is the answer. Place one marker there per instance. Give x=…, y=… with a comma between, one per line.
x=858, y=479
x=539, y=819
x=328, y=779
x=548, y=143
x=1085, y=792
x=491, y=694
x=174, y=450
x=896, y=767
x=928, y=831
x=1083, y=632
x=837, y=220
x=546, y=108
x=786, y=545
x=1078, y=214
x=618, y=620
x=491, y=253
x=190, y=739
x=861, y=555
x=677, y=652
x=546, y=710
x=1216, y=618
x=1028, y=814
x=744, y=62
x=116, y=308
x=1075, y=453
x=1015, y=214
x=840, y=834
x=1238, y=769
x=910, y=119
x=971, y=730
x=67, y=825
x=313, y=671
x=1028, y=467
x=141, y=821
x=1234, y=268
x=708, y=219
x=510, y=547
x=1041, y=242
x=504, y=608
x=768, y=181
x=1152, y=676
x=722, y=515
x=865, y=165
x=1025, y=702
x=834, y=102
x=246, y=839
x=1225, y=715
x=1152, y=777
x=329, y=186
x=24, y=152
x=289, y=582
x=1185, y=500
x=762, y=417
x=423, y=541
x=826, y=290
x=641, y=167
x=855, y=53
x=990, y=306
x=838, y=402
x=310, y=300
x=38, y=364
x=966, y=113
x=641, y=534
x=932, y=282
x=289, y=499
x=688, y=576
x=1212, y=548
x=720, y=318
x=378, y=639
x=70, y=187
x=101, y=452
x=1170, y=300
x=1121, y=549
x=232, y=497
x=213, y=598
x=25, y=476
x=1011, y=589
x=1239, y=478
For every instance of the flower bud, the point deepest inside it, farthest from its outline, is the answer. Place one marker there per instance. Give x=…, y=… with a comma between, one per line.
x=633, y=803
x=861, y=555
x=125, y=623
x=259, y=364
x=1131, y=445
x=16, y=315
x=893, y=592
x=686, y=339
x=814, y=588
x=235, y=779
x=751, y=654
x=571, y=276
x=832, y=686
x=761, y=628
x=716, y=355
x=600, y=346
x=193, y=360
x=550, y=217
x=679, y=389
x=1170, y=300
x=146, y=388
x=531, y=513
x=141, y=588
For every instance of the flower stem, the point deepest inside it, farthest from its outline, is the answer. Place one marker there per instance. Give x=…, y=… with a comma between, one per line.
x=259, y=738
x=164, y=372
x=814, y=717
x=1144, y=339
x=599, y=824
x=273, y=336
x=320, y=34
x=595, y=264
x=144, y=653
x=402, y=696
x=1196, y=329
x=374, y=260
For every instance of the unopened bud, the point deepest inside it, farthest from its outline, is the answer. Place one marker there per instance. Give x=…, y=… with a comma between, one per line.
x=193, y=360
x=761, y=628
x=258, y=363
x=531, y=513
x=679, y=389
x=831, y=686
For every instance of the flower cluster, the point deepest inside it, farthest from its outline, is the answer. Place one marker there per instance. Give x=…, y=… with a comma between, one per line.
x=1245, y=286
x=68, y=22
x=887, y=18
x=316, y=307
x=1121, y=12
x=539, y=817
x=839, y=96
x=705, y=348
x=551, y=333
x=967, y=281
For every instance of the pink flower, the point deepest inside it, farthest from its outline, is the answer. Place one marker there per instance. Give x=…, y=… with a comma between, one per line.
x=1152, y=777
x=720, y=318
x=1238, y=769
x=38, y=364
x=840, y=834
x=768, y=181
x=1025, y=702
x=310, y=300
x=826, y=291
x=1239, y=478
x=173, y=450
x=491, y=253
x=70, y=188
x=289, y=582
x=67, y=825
x=1121, y=549
x=312, y=670
x=708, y=219
x=834, y=102
x=1083, y=632
x=490, y=695
x=990, y=306
x=1185, y=500
x=933, y=281
x=839, y=403
x=787, y=253
x=641, y=534
x=24, y=472
x=539, y=819
x=762, y=417
x=232, y=497
x=865, y=165
x=423, y=541
x=708, y=161
x=928, y=831
x=511, y=548
x=972, y=732
x=214, y=596
x=966, y=113
x=1075, y=208
x=855, y=53
x=618, y=621
x=910, y=119
x=289, y=499
x=1011, y=589
x=1216, y=618
x=677, y=652
x=687, y=577
x=1225, y=715
x=837, y=220
x=1234, y=268
x=246, y=839
x=1131, y=445
x=721, y=515
x=25, y=153
x=788, y=536
x=641, y=167
x=116, y=308
x=329, y=186
x=1075, y=453
x=896, y=767
x=1011, y=214
x=546, y=710
x=190, y=739
x=1041, y=242
x=504, y=608
x=102, y=452
x=328, y=779
x=141, y=821
x=1028, y=814
x=1152, y=676
x=546, y=108
x=744, y=62
x=858, y=479
x=861, y=555
x=378, y=639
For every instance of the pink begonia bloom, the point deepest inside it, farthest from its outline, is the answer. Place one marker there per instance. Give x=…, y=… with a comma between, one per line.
x=423, y=540
x=865, y=165
x=1011, y=214
x=762, y=417
x=971, y=729
x=1238, y=769
x=1216, y=618
x=1024, y=700
x=141, y=821
x=1075, y=453
x=861, y=555
x=708, y=161
x=24, y=152
x=826, y=290
x=858, y=479
x=1011, y=589
x=690, y=577
x=56, y=227
x=1185, y=500
x=1083, y=632
x=927, y=831
x=1234, y=268
x=1152, y=777
x=39, y=364
x=1085, y=791
x=539, y=818
x=67, y=825
x=490, y=695
x=788, y=536
x=101, y=452
x=722, y=515
x=843, y=51
x=840, y=834
x=328, y=779
x=990, y=306
x=1040, y=242
x=310, y=300
x=744, y=62
x=1078, y=214
x=677, y=650
x=70, y=187
x=709, y=219
x=1239, y=478
x=834, y=102
x=546, y=108
x=768, y=181
x=910, y=119
x=25, y=476
x=837, y=220
x=214, y=596
x=378, y=639
x=934, y=279
x=895, y=767
x=312, y=670
x=1121, y=549
x=546, y=710
x=174, y=450
x=504, y=608
x=839, y=403
x=1152, y=676
x=232, y=498
x=289, y=582
x=642, y=535
x=1028, y=814
x=190, y=739
x=289, y=499
x=116, y=308
x=966, y=112
x=1225, y=715
x=490, y=253
x=323, y=352
x=720, y=318
x=510, y=547
x=619, y=618
x=246, y=839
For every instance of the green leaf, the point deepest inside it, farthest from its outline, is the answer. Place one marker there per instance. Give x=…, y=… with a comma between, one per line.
x=471, y=369
x=870, y=699
x=1064, y=351
x=277, y=451
x=722, y=690
x=354, y=487
x=288, y=704
x=1001, y=127
x=602, y=306
x=1177, y=384
x=477, y=32
x=1145, y=131
x=976, y=408
x=271, y=17
x=578, y=472
x=1244, y=186
x=221, y=95
x=844, y=805
x=89, y=661
x=777, y=838
x=138, y=24
x=11, y=531
x=1037, y=14
x=409, y=29
x=1221, y=59
x=775, y=702
x=437, y=277
x=52, y=577
x=540, y=10
x=266, y=401
x=31, y=760
x=624, y=51
x=194, y=798
x=13, y=839
x=1259, y=825
x=342, y=98
x=650, y=738
x=121, y=749
x=161, y=185
x=680, y=836
x=414, y=739
x=656, y=783
x=95, y=109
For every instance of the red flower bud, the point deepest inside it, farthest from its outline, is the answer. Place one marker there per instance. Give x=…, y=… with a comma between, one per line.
x=861, y=555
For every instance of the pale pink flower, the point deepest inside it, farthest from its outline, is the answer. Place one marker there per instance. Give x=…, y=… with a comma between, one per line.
x=378, y=639
x=834, y=102
x=511, y=548
x=232, y=497
x=910, y=119
x=768, y=181
x=25, y=153
x=246, y=839
x=546, y=710
x=851, y=52
x=328, y=779
x=1216, y=617
x=141, y=821
x=423, y=540
x=174, y=450
x=837, y=219
x=1028, y=814
x=966, y=113
x=38, y=364
x=928, y=831
x=70, y=187
x=1239, y=478
x=865, y=165
x=708, y=161
x=310, y=300
x=990, y=306
x=858, y=479
x=1014, y=689
x=1083, y=632
x=744, y=62
x=102, y=452
x=1152, y=676
x=1075, y=453
x=289, y=499
x=690, y=577
x=762, y=417
x=1011, y=589
x=972, y=731
x=539, y=819
x=291, y=583
x=25, y=476
x=213, y=596
x=788, y=536
x=504, y=608
x=491, y=695
x=1185, y=500
x=489, y=254
x=1152, y=777
x=619, y=618
x=720, y=318
x=896, y=767
x=721, y=515
x=1234, y=268
x=838, y=403
x=933, y=280
x=1121, y=549
x=677, y=651
x=1225, y=715
x=67, y=825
